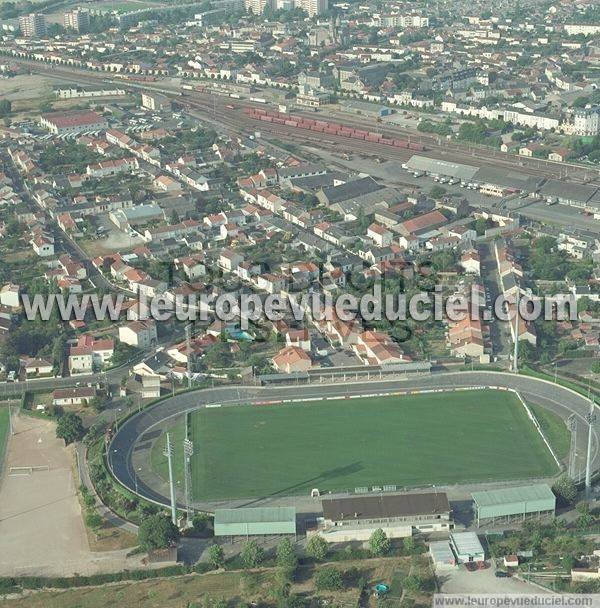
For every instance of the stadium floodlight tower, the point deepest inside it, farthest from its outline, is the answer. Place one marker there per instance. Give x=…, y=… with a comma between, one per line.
x=169, y=454
x=188, y=451
x=515, y=365
x=591, y=419
x=572, y=425
x=188, y=348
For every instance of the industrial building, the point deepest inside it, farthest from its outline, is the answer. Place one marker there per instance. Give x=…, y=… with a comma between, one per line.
x=441, y=554
x=507, y=504
x=441, y=168
x=355, y=518
x=364, y=107
x=497, y=181
x=467, y=547
x=259, y=521
x=73, y=122
x=156, y=102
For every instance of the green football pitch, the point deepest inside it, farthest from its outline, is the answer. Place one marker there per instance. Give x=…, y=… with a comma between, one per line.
x=412, y=440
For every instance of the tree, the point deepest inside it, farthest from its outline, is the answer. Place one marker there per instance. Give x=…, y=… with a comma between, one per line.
x=5, y=107
x=216, y=556
x=409, y=544
x=437, y=192
x=565, y=490
x=70, y=428
x=157, y=532
x=252, y=555
x=98, y=403
x=287, y=560
x=317, y=548
x=329, y=579
x=218, y=356
x=286, y=555
x=379, y=543
x=596, y=367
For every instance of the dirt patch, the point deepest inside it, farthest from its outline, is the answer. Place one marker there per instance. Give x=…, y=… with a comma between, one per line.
x=41, y=527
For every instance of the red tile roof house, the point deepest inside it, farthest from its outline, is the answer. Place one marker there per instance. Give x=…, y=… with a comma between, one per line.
x=89, y=353
x=298, y=337
x=423, y=223
x=292, y=359
x=377, y=348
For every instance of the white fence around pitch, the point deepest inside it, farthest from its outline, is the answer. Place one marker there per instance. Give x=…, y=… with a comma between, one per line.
x=26, y=471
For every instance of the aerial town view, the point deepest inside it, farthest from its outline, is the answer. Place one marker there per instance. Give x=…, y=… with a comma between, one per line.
x=299, y=303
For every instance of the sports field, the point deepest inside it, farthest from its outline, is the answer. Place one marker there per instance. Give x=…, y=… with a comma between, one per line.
x=438, y=438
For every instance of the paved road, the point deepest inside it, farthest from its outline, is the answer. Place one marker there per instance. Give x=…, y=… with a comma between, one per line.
x=130, y=447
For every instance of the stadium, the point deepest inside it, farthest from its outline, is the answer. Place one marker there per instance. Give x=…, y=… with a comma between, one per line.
x=440, y=429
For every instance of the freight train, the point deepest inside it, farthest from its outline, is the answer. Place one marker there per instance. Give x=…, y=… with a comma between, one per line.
x=330, y=128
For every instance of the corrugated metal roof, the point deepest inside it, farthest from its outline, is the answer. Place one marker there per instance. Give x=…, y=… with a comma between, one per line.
x=441, y=167
x=490, y=498
x=466, y=543
x=255, y=515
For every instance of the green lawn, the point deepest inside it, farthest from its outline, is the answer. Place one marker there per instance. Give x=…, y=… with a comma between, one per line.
x=554, y=429
x=158, y=460
x=438, y=438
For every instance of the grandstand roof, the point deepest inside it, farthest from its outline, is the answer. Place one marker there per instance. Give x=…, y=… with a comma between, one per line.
x=502, y=496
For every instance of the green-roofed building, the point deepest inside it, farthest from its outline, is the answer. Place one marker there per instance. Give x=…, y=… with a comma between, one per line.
x=258, y=521
x=507, y=504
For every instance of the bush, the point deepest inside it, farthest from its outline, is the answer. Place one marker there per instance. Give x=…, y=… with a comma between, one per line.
x=329, y=579
x=216, y=556
x=94, y=521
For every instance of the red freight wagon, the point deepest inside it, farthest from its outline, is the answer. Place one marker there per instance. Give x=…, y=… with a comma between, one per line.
x=417, y=147
x=357, y=136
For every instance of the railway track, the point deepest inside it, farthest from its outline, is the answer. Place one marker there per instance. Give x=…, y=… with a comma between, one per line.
x=235, y=121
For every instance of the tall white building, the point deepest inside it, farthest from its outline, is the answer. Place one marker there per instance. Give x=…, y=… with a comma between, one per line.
x=312, y=7
x=78, y=19
x=587, y=121
x=33, y=25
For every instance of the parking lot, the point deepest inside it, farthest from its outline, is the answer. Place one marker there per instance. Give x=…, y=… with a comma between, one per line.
x=460, y=580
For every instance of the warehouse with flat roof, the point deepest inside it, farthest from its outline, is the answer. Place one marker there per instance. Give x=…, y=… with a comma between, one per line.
x=467, y=547
x=260, y=521
x=441, y=168
x=507, y=504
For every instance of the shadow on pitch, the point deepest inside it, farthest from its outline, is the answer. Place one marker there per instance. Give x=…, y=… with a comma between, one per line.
x=349, y=469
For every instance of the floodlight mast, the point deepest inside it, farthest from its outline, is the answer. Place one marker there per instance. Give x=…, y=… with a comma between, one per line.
x=169, y=454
